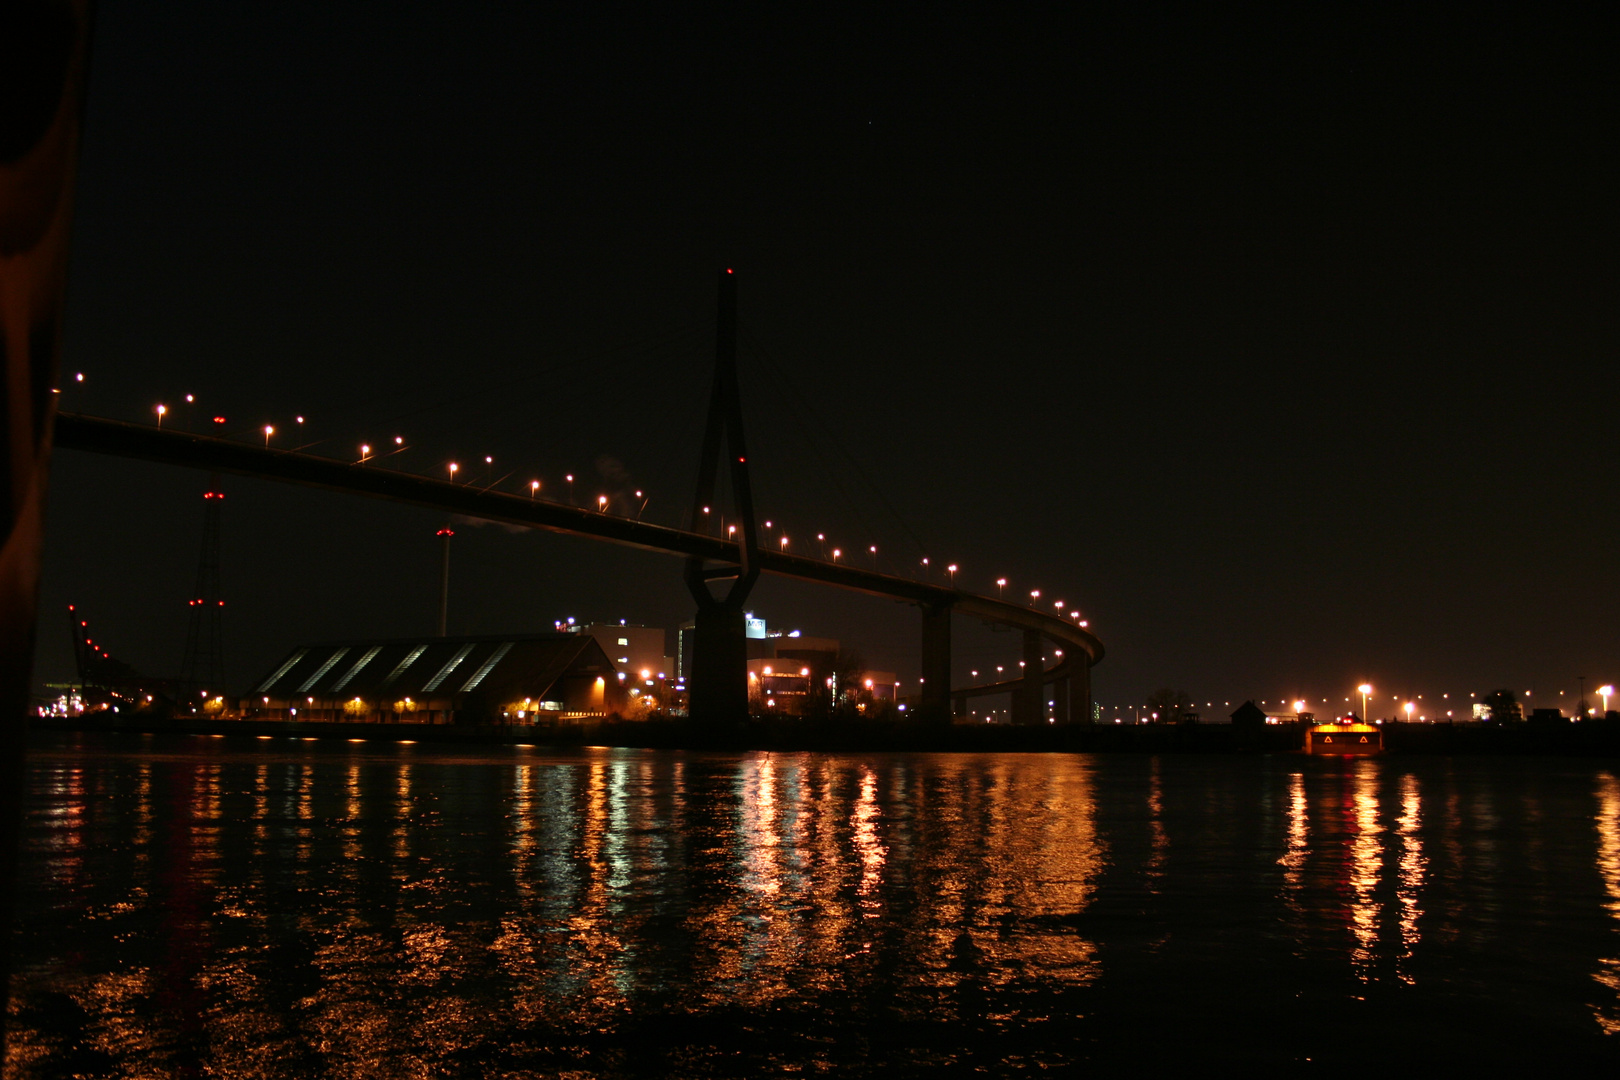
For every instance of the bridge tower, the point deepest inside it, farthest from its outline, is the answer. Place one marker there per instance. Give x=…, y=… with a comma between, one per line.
x=718, y=688
x=203, y=667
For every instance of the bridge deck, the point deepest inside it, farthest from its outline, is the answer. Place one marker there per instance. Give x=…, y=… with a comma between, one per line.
x=97, y=435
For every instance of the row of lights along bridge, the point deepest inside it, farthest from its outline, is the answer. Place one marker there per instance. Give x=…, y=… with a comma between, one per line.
x=370, y=453
x=1409, y=705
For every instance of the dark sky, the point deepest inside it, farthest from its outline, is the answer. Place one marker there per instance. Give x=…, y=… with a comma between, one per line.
x=1283, y=348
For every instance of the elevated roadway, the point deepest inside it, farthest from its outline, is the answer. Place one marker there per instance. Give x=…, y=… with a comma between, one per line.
x=1080, y=649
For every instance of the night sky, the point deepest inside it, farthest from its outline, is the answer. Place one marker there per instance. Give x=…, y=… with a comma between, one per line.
x=1283, y=349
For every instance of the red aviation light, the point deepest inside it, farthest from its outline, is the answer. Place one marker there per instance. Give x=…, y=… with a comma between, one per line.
x=445, y=532
x=728, y=269
x=219, y=419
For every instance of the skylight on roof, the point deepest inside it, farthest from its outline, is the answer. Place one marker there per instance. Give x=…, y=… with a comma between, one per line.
x=410, y=658
x=371, y=655
x=323, y=669
x=282, y=670
x=488, y=665
x=450, y=666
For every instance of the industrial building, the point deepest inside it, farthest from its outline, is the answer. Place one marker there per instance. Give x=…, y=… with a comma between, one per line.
x=794, y=670
x=509, y=678
x=638, y=651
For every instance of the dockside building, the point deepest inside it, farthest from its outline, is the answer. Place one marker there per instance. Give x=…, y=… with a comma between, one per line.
x=521, y=679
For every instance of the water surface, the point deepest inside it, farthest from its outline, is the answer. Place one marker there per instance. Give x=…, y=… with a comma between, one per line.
x=280, y=908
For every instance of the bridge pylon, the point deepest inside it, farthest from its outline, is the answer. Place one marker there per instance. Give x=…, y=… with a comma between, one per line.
x=1029, y=700
x=934, y=698
x=718, y=688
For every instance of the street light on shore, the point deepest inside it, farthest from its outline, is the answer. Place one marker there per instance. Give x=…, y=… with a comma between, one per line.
x=1410, y=707
x=268, y=431
x=1001, y=583
x=1604, y=692
x=160, y=410
x=1364, y=689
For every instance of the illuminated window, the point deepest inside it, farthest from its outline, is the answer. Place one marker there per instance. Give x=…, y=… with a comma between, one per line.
x=320, y=672
x=487, y=666
x=624, y=641
x=410, y=658
x=282, y=670
x=371, y=655
x=454, y=662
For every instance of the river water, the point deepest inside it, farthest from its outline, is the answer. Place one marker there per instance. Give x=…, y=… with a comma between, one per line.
x=252, y=908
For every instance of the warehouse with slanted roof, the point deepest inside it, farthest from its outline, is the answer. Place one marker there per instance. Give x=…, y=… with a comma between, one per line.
x=522, y=679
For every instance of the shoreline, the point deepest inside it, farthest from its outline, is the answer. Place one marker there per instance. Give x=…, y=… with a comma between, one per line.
x=1592, y=739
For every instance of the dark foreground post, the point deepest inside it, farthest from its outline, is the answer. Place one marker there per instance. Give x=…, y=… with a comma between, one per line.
x=43, y=56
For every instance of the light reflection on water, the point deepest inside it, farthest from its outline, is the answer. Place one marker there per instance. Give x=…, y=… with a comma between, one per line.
x=1607, y=1008
x=311, y=909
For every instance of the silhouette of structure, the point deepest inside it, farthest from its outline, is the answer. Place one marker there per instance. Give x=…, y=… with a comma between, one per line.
x=718, y=687
x=444, y=535
x=203, y=667
x=720, y=548
x=522, y=678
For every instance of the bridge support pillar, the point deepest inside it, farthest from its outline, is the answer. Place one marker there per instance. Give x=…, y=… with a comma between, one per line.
x=1080, y=692
x=1029, y=702
x=934, y=701
x=718, y=690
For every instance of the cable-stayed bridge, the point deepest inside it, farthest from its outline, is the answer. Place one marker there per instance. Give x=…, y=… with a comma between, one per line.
x=1058, y=649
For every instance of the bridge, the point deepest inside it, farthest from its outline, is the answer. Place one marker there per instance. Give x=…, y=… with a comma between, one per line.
x=718, y=684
